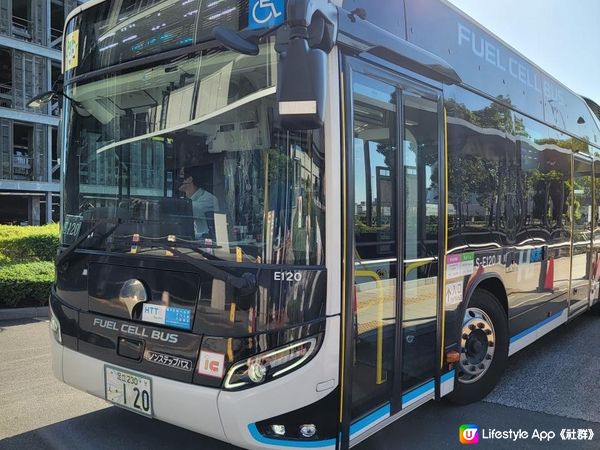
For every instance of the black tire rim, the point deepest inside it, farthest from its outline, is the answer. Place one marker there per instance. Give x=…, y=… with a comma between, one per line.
x=477, y=345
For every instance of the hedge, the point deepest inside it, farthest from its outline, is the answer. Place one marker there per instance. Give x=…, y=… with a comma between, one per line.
x=25, y=284
x=26, y=264
x=12, y=231
x=28, y=244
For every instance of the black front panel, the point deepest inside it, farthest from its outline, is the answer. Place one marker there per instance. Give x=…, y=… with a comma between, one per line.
x=284, y=298
x=164, y=287
x=166, y=353
x=286, y=305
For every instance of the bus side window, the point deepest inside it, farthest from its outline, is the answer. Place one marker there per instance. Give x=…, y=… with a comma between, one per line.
x=482, y=161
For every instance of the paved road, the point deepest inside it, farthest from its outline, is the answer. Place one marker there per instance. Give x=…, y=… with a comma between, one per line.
x=552, y=385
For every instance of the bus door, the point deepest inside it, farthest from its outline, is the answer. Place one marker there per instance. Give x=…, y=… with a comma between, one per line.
x=582, y=266
x=595, y=271
x=393, y=201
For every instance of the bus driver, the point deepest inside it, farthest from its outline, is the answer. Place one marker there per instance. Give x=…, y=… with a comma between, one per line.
x=203, y=202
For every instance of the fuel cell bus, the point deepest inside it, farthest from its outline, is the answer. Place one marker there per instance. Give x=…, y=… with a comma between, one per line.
x=286, y=224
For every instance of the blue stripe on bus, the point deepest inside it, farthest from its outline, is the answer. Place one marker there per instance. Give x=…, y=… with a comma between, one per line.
x=386, y=409
x=368, y=420
x=530, y=330
x=448, y=376
x=411, y=395
x=356, y=426
x=288, y=443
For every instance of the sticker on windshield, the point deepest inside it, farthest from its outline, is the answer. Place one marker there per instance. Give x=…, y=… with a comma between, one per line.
x=167, y=315
x=266, y=13
x=72, y=50
x=71, y=228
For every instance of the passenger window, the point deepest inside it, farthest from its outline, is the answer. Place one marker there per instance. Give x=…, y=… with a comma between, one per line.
x=483, y=171
x=546, y=174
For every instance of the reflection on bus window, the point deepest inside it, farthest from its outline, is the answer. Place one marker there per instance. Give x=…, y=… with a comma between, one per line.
x=191, y=148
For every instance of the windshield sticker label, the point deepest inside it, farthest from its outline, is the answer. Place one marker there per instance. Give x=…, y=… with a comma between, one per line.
x=72, y=50
x=211, y=364
x=71, y=228
x=266, y=13
x=167, y=315
x=454, y=293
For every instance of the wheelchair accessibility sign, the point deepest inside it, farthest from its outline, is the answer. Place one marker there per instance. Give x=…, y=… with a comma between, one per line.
x=266, y=13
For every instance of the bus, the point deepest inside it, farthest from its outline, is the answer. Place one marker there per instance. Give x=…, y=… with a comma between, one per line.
x=286, y=224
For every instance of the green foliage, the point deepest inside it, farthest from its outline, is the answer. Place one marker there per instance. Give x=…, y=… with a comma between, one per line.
x=26, y=284
x=26, y=264
x=14, y=231
x=28, y=244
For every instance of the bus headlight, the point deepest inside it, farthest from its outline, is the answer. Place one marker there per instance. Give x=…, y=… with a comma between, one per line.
x=272, y=364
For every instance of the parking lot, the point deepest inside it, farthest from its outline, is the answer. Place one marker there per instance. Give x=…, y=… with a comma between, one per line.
x=550, y=386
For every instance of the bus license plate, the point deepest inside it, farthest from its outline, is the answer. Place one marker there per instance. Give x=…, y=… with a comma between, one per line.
x=128, y=390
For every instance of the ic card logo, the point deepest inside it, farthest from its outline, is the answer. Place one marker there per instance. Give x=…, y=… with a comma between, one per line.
x=211, y=364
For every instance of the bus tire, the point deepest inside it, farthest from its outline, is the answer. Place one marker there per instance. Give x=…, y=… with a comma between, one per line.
x=596, y=309
x=484, y=349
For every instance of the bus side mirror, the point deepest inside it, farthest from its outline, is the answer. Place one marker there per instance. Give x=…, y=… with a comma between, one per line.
x=42, y=99
x=301, y=86
x=303, y=45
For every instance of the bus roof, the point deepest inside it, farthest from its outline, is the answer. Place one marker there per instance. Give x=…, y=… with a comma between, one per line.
x=483, y=61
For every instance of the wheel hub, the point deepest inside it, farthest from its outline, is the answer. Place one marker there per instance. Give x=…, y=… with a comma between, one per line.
x=477, y=345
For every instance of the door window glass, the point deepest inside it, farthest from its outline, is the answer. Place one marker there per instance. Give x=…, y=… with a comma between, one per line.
x=375, y=153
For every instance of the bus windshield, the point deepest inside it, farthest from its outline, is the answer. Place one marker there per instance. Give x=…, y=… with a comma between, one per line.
x=189, y=150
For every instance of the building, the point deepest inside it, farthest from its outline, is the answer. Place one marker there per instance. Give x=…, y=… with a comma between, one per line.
x=30, y=62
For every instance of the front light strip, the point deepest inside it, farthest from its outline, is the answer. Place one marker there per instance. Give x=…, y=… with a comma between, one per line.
x=272, y=360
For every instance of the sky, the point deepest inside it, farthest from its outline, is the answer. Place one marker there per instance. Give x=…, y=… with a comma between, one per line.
x=560, y=36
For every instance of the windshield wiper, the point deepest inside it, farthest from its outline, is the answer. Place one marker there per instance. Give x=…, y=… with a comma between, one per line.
x=75, y=245
x=246, y=284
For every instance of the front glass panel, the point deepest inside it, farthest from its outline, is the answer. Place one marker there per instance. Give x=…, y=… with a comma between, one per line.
x=114, y=32
x=191, y=148
x=376, y=259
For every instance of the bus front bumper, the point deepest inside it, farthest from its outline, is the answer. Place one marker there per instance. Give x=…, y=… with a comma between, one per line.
x=185, y=405
x=222, y=415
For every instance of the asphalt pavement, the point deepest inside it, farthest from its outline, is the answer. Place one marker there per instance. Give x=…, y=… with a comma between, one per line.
x=550, y=386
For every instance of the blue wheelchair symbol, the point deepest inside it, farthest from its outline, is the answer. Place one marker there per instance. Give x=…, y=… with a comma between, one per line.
x=266, y=13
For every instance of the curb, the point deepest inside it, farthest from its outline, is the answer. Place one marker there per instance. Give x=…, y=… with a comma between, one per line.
x=23, y=313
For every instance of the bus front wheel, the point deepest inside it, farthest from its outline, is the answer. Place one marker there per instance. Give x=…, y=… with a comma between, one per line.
x=484, y=348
